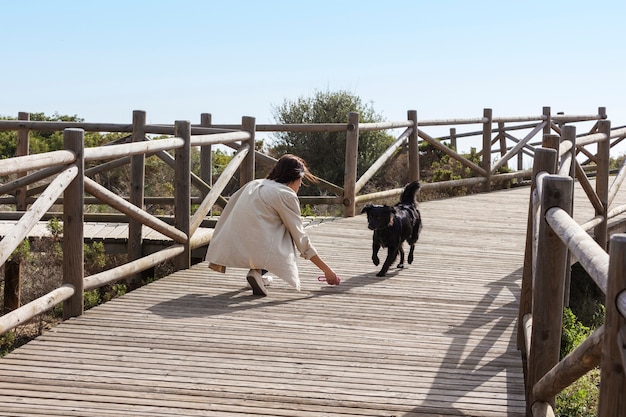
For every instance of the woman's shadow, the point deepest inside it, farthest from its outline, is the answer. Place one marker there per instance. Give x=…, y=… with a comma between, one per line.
x=204, y=305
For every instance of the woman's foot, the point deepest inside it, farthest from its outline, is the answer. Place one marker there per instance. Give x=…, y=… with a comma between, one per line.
x=256, y=282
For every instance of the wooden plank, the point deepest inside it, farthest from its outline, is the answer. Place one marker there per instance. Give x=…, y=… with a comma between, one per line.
x=437, y=338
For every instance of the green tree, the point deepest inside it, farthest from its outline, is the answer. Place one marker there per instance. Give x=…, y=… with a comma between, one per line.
x=324, y=152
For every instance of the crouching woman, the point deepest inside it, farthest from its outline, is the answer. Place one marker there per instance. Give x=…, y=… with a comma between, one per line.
x=261, y=228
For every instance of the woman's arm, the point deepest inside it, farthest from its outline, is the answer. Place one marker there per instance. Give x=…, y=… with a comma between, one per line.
x=331, y=276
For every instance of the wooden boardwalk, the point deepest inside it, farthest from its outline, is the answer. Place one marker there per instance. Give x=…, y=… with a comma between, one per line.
x=435, y=339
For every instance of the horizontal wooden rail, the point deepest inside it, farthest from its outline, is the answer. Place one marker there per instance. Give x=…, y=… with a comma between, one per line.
x=25, y=163
x=576, y=118
x=28, y=311
x=48, y=126
x=219, y=138
x=590, y=255
x=580, y=361
x=134, y=148
x=590, y=139
x=132, y=268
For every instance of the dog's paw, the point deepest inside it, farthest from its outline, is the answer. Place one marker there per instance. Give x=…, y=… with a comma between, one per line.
x=401, y=266
x=376, y=260
x=380, y=274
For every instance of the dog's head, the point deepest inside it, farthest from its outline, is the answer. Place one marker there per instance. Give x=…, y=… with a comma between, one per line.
x=379, y=216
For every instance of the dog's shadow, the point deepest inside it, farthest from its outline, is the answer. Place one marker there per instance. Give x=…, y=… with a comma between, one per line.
x=205, y=305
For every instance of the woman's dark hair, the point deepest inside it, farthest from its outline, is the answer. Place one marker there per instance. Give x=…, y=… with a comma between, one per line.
x=289, y=168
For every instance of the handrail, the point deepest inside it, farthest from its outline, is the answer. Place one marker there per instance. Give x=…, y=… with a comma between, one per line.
x=550, y=216
x=42, y=304
x=187, y=234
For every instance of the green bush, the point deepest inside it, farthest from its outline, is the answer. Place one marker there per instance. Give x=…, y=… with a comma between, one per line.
x=573, y=333
x=7, y=341
x=579, y=399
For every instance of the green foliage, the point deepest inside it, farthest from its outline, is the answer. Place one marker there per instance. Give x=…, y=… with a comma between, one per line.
x=573, y=332
x=616, y=163
x=7, y=341
x=46, y=141
x=307, y=211
x=55, y=228
x=581, y=398
x=324, y=152
x=220, y=161
x=91, y=299
x=95, y=257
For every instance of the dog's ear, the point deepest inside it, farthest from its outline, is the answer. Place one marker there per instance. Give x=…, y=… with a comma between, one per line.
x=366, y=208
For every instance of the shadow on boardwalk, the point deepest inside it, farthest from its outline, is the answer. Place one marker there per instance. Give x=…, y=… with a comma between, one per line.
x=436, y=338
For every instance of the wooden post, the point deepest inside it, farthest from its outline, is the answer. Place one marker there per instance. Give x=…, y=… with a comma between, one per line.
x=453, y=139
x=23, y=139
x=612, y=401
x=551, y=141
x=206, y=157
x=502, y=137
x=569, y=135
x=551, y=264
x=545, y=161
x=73, y=210
x=137, y=186
x=352, y=152
x=13, y=268
x=414, y=154
x=487, y=114
x=600, y=232
x=246, y=175
x=547, y=129
x=182, y=190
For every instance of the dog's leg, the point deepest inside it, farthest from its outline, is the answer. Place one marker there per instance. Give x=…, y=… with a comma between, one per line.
x=412, y=247
x=375, y=249
x=392, y=254
x=414, y=236
x=401, y=251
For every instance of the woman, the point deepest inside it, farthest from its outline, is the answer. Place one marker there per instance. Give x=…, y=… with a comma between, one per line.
x=261, y=227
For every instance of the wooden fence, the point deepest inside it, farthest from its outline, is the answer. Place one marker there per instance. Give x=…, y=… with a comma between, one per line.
x=66, y=181
x=554, y=242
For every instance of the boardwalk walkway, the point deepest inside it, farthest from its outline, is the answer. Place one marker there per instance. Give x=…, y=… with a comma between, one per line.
x=437, y=338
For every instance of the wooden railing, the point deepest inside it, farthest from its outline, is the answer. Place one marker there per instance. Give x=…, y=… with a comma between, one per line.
x=71, y=180
x=554, y=242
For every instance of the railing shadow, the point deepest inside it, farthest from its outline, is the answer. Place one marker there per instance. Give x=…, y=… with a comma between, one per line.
x=502, y=321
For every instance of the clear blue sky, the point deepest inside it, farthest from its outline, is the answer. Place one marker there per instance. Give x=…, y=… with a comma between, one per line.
x=100, y=60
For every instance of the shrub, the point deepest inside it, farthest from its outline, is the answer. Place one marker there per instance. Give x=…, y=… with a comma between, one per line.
x=581, y=398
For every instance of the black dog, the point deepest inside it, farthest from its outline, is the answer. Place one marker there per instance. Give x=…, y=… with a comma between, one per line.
x=392, y=225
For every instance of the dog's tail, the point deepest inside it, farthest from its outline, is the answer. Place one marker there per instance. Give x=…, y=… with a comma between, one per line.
x=408, y=195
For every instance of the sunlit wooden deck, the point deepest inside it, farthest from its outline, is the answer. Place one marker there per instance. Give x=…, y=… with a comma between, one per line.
x=437, y=338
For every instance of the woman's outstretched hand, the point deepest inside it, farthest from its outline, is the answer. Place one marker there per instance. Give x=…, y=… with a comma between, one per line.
x=331, y=277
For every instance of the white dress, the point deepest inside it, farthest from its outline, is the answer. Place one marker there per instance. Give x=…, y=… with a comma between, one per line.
x=260, y=228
